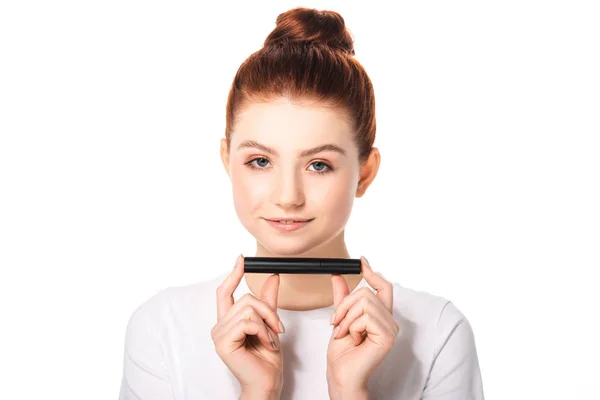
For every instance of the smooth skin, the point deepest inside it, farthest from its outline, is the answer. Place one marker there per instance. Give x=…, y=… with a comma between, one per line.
x=287, y=183
x=246, y=335
x=276, y=172
x=364, y=333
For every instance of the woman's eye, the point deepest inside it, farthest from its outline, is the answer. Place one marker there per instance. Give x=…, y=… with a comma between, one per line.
x=320, y=166
x=260, y=162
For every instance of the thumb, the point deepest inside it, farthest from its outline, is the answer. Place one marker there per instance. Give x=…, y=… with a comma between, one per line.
x=340, y=289
x=270, y=291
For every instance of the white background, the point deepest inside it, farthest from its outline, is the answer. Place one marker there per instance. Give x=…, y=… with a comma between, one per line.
x=112, y=187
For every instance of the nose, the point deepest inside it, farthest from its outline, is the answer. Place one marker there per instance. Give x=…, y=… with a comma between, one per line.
x=287, y=190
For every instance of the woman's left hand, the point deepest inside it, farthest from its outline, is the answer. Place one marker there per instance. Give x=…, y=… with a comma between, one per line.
x=366, y=332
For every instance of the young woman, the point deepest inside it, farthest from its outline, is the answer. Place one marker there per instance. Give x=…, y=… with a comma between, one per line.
x=298, y=149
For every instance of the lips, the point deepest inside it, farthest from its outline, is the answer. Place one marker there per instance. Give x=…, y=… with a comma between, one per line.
x=288, y=221
x=288, y=225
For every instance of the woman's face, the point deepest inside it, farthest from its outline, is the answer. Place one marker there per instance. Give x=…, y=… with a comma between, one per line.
x=292, y=162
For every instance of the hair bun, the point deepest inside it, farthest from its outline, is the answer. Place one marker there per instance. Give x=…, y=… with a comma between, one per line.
x=311, y=26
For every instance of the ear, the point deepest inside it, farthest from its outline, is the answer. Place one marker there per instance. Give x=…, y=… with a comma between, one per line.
x=225, y=155
x=368, y=171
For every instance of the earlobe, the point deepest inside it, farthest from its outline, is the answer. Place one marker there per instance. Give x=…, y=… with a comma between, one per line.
x=368, y=172
x=225, y=155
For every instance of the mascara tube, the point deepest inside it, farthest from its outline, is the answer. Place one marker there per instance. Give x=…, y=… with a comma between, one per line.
x=290, y=265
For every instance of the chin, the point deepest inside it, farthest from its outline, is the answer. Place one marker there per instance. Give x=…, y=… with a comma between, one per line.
x=290, y=246
x=279, y=248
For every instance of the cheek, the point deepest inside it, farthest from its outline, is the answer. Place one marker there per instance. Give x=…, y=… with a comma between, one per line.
x=336, y=196
x=249, y=190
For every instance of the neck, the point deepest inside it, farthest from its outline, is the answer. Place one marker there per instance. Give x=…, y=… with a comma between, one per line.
x=302, y=292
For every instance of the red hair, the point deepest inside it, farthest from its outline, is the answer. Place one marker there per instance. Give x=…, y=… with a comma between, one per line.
x=309, y=56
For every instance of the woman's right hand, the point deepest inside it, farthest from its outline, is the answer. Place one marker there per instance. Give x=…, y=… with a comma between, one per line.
x=245, y=332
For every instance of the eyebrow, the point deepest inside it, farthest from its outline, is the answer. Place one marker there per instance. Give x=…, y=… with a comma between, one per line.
x=305, y=153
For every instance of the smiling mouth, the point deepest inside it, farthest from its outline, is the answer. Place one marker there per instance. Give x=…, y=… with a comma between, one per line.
x=289, y=221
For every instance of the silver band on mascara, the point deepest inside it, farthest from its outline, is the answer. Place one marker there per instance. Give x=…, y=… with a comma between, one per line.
x=290, y=265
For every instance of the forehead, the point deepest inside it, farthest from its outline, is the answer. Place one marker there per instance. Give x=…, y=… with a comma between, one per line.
x=290, y=123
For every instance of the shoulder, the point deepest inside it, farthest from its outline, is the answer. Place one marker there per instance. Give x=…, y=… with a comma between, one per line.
x=443, y=338
x=174, y=303
x=422, y=306
x=432, y=318
x=145, y=313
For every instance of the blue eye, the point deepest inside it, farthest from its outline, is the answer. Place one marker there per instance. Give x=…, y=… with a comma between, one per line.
x=320, y=167
x=260, y=163
x=257, y=163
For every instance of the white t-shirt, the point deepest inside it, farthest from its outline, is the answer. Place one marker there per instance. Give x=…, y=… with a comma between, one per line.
x=169, y=354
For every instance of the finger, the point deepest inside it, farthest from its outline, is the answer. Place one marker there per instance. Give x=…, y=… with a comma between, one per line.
x=248, y=314
x=225, y=290
x=270, y=291
x=379, y=283
x=378, y=331
x=363, y=306
x=248, y=304
x=340, y=288
x=236, y=336
x=274, y=337
x=347, y=303
x=366, y=305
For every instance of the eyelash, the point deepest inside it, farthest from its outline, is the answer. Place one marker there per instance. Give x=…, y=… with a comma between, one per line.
x=250, y=165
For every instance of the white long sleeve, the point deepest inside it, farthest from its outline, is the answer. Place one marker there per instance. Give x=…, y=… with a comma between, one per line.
x=169, y=354
x=455, y=373
x=145, y=375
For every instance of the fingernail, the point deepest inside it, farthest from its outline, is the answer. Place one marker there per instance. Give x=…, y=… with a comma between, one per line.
x=367, y=266
x=271, y=338
x=237, y=261
x=273, y=343
x=281, y=327
x=336, y=330
x=332, y=319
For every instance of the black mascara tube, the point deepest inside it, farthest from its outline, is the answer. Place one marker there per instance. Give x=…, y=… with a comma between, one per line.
x=290, y=265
